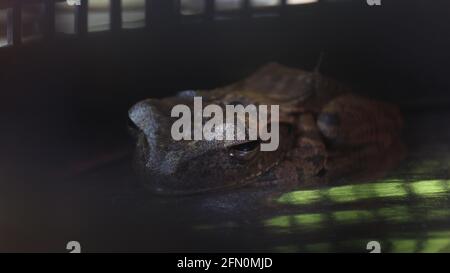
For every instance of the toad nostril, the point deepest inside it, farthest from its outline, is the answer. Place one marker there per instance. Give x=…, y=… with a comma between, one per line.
x=131, y=125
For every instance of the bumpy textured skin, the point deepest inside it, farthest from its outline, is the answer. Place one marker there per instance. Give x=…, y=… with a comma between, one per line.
x=326, y=133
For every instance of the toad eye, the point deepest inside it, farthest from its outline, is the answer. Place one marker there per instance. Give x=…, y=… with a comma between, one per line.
x=245, y=151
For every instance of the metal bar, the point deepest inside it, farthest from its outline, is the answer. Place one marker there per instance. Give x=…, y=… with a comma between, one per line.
x=210, y=10
x=283, y=8
x=148, y=10
x=81, y=18
x=246, y=9
x=175, y=11
x=14, y=24
x=50, y=18
x=116, y=15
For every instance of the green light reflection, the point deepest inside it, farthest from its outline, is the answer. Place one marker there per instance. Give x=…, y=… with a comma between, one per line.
x=305, y=220
x=395, y=214
x=432, y=242
x=350, y=216
x=353, y=193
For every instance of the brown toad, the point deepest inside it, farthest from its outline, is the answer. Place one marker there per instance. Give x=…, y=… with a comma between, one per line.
x=326, y=133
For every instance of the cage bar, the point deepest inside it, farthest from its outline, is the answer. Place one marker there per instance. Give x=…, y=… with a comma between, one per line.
x=14, y=24
x=210, y=10
x=148, y=10
x=246, y=9
x=116, y=15
x=283, y=9
x=162, y=13
x=49, y=18
x=81, y=18
x=159, y=14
